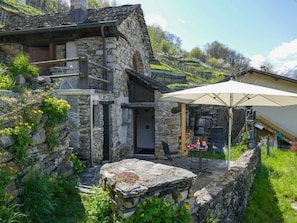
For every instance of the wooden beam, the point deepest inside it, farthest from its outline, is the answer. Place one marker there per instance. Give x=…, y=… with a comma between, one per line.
x=51, y=51
x=183, y=130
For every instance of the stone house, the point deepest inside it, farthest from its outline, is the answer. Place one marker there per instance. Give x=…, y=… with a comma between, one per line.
x=103, y=58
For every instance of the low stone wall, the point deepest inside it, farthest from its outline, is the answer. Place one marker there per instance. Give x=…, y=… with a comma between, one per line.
x=169, y=78
x=225, y=198
x=132, y=181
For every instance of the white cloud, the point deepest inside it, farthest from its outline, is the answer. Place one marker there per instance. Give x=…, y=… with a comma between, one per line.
x=257, y=61
x=154, y=19
x=182, y=21
x=284, y=56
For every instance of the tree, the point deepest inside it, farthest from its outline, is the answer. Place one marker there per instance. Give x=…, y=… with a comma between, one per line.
x=198, y=54
x=232, y=60
x=52, y=6
x=100, y=3
x=156, y=36
x=216, y=50
x=165, y=46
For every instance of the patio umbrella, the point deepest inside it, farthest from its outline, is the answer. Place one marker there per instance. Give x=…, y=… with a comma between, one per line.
x=232, y=94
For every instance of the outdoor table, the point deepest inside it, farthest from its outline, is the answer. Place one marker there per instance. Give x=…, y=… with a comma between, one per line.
x=197, y=148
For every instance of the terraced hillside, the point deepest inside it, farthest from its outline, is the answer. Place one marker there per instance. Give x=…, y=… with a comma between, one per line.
x=179, y=73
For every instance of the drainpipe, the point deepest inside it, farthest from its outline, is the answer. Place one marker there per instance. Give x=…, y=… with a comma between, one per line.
x=92, y=129
x=104, y=46
x=104, y=56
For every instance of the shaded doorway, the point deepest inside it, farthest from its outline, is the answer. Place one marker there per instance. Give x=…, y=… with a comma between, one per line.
x=144, y=131
x=106, y=131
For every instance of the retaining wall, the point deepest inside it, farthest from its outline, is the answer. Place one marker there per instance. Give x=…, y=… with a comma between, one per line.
x=225, y=198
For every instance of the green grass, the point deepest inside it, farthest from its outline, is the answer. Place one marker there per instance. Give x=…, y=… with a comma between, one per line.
x=167, y=68
x=274, y=189
x=235, y=153
x=17, y=7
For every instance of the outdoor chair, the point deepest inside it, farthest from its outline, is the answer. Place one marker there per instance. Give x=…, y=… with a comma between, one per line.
x=168, y=153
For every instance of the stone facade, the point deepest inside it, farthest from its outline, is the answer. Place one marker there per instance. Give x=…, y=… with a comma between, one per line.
x=120, y=54
x=101, y=128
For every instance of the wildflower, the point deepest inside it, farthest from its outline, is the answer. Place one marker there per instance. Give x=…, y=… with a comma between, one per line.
x=167, y=204
x=186, y=205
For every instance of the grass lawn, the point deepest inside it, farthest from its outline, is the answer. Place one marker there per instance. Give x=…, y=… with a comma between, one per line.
x=274, y=189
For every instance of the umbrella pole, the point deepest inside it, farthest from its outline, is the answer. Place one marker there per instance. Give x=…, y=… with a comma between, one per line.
x=230, y=113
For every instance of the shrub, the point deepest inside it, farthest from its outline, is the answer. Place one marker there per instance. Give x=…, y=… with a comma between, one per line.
x=56, y=110
x=33, y=117
x=38, y=202
x=6, y=81
x=155, y=209
x=22, y=66
x=77, y=164
x=8, y=212
x=52, y=138
x=97, y=206
x=22, y=139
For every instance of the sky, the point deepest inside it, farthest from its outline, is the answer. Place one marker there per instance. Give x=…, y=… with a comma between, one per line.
x=258, y=29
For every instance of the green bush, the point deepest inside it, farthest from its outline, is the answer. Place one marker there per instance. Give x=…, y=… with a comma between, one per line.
x=52, y=138
x=33, y=117
x=47, y=199
x=157, y=210
x=23, y=140
x=77, y=164
x=6, y=81
x=21, y=65
x=8, y=212
x=97, y=206
x=55, y=109
x=38, y=202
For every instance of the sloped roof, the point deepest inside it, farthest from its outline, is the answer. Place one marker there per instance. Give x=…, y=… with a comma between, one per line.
x=149, y=81
x=108, y=16
x=252, y=70
x=59, y=19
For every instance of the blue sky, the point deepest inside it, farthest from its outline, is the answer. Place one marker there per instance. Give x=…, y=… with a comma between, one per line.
x=258, y=29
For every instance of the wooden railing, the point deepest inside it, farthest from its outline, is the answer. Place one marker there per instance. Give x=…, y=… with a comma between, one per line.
x=82, y=72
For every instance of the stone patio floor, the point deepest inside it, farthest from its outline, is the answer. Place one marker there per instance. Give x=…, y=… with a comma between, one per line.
x=211, y=169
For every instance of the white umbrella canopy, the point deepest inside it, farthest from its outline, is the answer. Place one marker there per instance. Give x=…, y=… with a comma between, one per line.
x=232, y=94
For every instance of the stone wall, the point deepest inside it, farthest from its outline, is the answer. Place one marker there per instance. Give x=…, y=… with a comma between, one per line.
x=131, y=181
x=225, y=198
x=168, y=77
x=39, y=156
x=167, y=126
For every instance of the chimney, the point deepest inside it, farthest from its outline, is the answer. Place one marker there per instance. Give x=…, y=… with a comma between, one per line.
x=78, y=11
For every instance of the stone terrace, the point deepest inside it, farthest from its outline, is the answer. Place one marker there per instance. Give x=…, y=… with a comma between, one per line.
x=214, y=191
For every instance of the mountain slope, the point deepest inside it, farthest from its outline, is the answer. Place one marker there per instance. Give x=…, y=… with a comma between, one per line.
x=195, y=72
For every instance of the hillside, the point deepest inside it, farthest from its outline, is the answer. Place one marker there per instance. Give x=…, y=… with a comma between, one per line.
x=16, y=7
x=184, y=73
x=10, y=10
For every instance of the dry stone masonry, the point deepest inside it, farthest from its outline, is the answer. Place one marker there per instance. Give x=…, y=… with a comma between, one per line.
x=224, y=199
x=134, y=180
